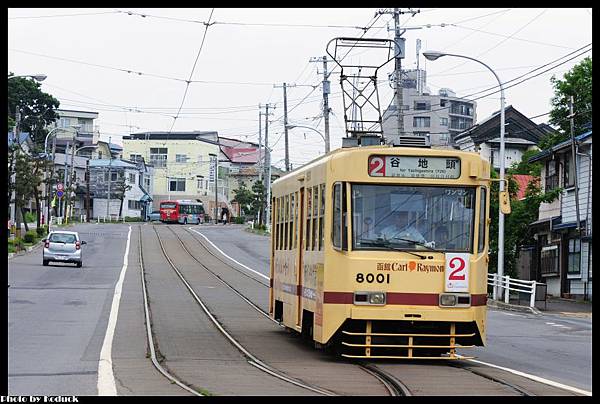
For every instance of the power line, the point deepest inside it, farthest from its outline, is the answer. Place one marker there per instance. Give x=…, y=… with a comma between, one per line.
x=513, y=38
x=187, y=86
x=481, y=16
x=61, y=15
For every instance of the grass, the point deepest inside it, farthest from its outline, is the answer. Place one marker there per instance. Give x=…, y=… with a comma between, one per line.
x=257, y=231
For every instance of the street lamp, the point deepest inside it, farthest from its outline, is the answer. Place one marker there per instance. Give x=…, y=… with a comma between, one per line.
x=434, y=55
x=292, y=126
x=37, y=77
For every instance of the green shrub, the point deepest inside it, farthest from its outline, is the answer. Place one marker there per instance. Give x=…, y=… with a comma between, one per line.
x=42, y=231
x=133, y=219
x=30, y=237
x=15, y=242
x=11, y=249
x=238, y=220
x=30, y=217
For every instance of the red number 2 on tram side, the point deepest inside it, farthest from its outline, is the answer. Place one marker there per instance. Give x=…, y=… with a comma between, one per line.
x=377, y=167
x=461, y=265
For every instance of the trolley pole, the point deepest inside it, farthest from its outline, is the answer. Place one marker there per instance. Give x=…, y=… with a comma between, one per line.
x=267, y=169
x=109, y=179
x=285, y=123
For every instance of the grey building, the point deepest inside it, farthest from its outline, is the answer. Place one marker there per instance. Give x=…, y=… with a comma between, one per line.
x=562, y=257
x=437, y=117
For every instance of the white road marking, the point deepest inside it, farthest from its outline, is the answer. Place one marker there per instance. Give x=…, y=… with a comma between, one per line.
x=106, y=377
x=535, y=378
x=237, y=262
x=550, y=323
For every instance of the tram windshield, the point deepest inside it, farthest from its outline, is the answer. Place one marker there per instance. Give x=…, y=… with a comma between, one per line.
x=412, y=217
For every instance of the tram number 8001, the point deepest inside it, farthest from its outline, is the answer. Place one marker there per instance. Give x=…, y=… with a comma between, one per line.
x=370, y=278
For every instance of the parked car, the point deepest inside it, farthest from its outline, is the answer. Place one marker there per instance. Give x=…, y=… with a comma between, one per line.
x=63, y=246
x=154, y=216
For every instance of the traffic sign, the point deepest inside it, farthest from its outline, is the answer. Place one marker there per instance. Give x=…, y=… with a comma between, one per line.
x=60, y=193
x=60, y=187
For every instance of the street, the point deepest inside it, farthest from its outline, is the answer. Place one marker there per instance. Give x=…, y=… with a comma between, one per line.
x=59, y=316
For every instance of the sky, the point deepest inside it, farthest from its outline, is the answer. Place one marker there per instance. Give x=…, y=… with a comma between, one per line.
x=132, y=66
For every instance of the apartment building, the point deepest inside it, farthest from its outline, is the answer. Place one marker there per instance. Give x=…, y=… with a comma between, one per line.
x=87, y=133
x=183, y=164
x=436, y=117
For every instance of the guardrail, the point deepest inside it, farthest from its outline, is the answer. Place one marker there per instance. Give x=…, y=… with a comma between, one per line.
x=509, y=284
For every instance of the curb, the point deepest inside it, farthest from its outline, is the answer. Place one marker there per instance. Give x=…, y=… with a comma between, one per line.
x=27, y=250
x=513, y=307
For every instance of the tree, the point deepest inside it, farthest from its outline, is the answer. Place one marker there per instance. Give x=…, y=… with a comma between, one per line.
x=577, y=82
x=38, y=109
x=245, y=198
x=120, y=188
x=525, y=167
x=260, y=197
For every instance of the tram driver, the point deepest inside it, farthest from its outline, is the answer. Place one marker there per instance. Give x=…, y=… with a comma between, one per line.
x=401, y=228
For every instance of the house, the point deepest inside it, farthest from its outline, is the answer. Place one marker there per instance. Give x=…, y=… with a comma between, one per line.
x=520, y=134
x=129, y=180
x=563, y=253
x=87, y=134
x=437, y=117
x=523, y=181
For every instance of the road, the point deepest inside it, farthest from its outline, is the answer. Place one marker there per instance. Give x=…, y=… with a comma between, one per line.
x=550, y=346
x=58, y=317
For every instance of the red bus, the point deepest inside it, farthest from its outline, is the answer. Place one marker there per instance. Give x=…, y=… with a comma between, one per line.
x=181, y=211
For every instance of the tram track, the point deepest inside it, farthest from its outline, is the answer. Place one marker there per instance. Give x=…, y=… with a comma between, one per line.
x=251, y=358
x=392, y=383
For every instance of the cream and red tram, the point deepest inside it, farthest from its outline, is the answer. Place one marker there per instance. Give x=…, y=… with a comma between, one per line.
x=342, y=277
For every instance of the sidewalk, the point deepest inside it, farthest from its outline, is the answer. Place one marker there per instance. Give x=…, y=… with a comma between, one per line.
x=554, y=305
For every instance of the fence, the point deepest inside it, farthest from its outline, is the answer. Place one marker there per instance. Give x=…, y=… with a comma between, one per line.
x=508, y=284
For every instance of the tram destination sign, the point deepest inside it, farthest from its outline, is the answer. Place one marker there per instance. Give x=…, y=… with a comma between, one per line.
x=414, y=167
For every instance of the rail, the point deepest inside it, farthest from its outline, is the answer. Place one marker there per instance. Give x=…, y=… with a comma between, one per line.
x=516, y=285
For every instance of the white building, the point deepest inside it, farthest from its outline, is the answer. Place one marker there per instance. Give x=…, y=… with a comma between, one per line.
x=438, y=117
x=132, y=180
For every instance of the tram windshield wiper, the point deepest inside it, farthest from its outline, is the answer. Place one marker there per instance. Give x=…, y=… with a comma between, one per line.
x=387, y=244
x=415, y=242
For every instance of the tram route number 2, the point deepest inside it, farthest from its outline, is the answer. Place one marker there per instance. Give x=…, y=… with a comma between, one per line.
x=457, y=273
x=370, y=278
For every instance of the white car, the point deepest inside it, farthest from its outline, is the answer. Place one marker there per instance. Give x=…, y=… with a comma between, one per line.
x=62, y=246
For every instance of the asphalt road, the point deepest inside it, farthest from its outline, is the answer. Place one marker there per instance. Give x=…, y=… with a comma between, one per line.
x=58, y=315
x=551, y=346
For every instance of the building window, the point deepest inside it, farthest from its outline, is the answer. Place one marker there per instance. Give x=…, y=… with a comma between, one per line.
x=549, y=260
x=132, y=178
x=147, y=183
x=422, y=105
x=158, y=156
x=113, y=176
x=135, y=157
x=200, y=183
x=574, y=260
x=421, y=122
x=177, y=184
x=443, y=103
x=134, y=205
x=64, y=122
x=551, y=178
x=568, y=177
x=443, y=121
x=180, y=158
x=423, y=134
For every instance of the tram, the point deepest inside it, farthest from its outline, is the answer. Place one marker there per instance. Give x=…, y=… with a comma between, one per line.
x=382, y=251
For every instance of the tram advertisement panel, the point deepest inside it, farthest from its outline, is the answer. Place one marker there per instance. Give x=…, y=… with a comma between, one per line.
x=456, y=275
x=414, y=167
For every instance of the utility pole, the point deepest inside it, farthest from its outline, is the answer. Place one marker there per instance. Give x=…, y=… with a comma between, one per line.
x=216, y=158
x=574, y=154
x=267, y=168
x=109, y=179
x=285, y=123
x=259, y=143
x=16, y=213
x=50, y=180
x=326, y=92
x=87, y=193
x=398, y=63
x=66, y=183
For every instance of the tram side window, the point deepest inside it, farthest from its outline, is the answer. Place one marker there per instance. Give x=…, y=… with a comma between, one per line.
x=482, y=220
x=336, y=233
x=315, y=224
x=286, y=214
x=307, y=242
x=291, y=220
x=279, y=216
x=321, y=217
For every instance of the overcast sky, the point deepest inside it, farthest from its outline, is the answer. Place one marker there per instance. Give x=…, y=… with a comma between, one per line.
x=86, y=54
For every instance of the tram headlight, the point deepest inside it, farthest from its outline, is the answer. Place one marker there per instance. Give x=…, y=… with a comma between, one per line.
x=447, y=300
x=377, y=298
x=374, y=298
